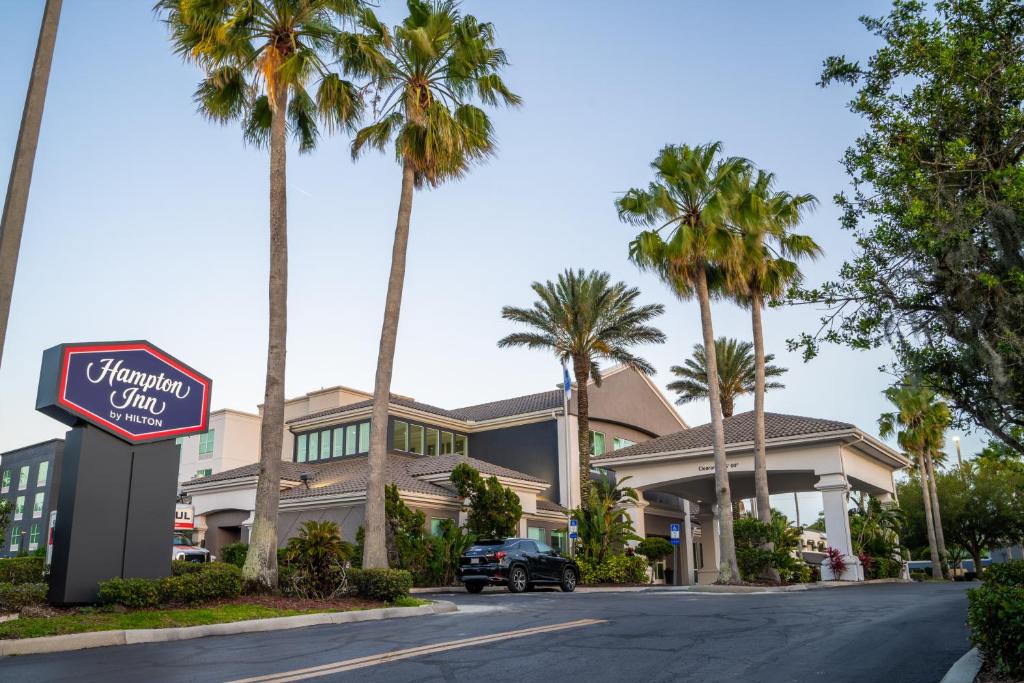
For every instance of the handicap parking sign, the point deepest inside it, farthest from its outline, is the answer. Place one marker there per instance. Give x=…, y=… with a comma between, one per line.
x=674, y=533
x=573, y=526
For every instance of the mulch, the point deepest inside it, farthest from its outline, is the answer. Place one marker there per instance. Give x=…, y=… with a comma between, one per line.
x=283, y=602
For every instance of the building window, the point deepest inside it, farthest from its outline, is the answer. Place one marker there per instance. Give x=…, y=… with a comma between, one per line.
x=350, y=440
x=19, y=508
x=15, y=538
x=536, y=533
x=416, y=439
x=435, y=526
x=44, y=468
x=338, y=442
x=325, y=445
x=460, y=445
x=314, y=446
x=447, y=442
x=432, y=439
x=5, y=483
x=23, y=478
x=558, y=540
x=596, y=442
x=400, y=436
x=206, y=443
x=33, y=538
x=203, y=473
x=618, y=443
x=364, y=437
x=37, y=505
x=301, y=446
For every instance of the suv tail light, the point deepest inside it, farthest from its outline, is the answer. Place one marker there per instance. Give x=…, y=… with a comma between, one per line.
x=500, y=555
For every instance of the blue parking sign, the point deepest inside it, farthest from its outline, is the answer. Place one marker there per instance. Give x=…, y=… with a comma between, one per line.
x=674, y=533
x=573, y=525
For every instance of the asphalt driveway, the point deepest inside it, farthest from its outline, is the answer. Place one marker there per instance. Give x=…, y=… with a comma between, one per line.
x=893, y=632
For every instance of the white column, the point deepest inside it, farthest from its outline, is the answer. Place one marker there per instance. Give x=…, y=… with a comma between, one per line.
x=708, y=545
x=684, y=572
x=835, y=498
x=568, y=462
x=636, y=514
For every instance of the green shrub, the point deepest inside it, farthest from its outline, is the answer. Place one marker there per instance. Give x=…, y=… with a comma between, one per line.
x=14, y=596
x=21, y=569
x=316, y=558
x=995, y=613
x=179, y=567
x=214, y=581
x=886, y=568
x=387, y=585
x=234, y=553
x=1007, y=574
x=614, y=569
x=130, y=592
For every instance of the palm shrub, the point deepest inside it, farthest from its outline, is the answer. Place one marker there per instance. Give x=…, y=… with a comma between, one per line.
x=604, y=528
x=267, y=64
x=584, y=318
x=426, y=74
x=316, y=558
x=443, y=552
x=736, y=374
x=494, y=510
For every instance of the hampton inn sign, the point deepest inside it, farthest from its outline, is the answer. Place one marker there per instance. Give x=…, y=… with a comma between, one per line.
x=126, y=402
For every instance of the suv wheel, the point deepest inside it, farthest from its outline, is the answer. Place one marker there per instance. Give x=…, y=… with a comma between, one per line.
x=569, y=580
x=475, y=586
x=517, y=580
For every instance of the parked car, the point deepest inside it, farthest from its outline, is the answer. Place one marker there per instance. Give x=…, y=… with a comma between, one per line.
x=519, y=563
x=184, y=550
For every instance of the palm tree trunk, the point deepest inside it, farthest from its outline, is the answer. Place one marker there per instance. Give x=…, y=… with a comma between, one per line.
x=375, y=548
x=581, y=368
x=940, y=537
x=13, y=219
x=726, y=542
x=933, y=547
x=764, y=506
x=260, y=570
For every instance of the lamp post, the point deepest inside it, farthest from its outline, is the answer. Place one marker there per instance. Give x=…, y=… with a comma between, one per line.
x=959, y=460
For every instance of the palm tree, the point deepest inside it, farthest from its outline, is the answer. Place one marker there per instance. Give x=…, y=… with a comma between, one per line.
x=425, y=72
x=768, y=268
x=13, y=219
x=606, y=525
x=584, y=318
x=260, y=57
x=689, y=201
x=919, y=422
x=736, y=374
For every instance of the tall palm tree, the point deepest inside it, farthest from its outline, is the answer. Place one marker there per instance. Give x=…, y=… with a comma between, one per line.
x=260, y=59
x=426, y=72
x=690, y=245
x=919, y=423
x=12, y=221
x=736, y=374
x=584, y=318
x=768, y=268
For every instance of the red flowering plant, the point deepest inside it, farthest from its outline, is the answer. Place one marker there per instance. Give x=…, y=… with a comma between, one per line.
x=836, y=562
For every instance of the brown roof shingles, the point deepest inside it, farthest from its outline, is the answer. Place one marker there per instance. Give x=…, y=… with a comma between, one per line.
x=738, y=429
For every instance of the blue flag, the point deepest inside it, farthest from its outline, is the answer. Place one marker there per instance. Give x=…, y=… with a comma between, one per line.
x=566, y=382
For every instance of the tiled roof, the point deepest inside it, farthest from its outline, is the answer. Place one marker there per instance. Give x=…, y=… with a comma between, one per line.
x=531, y=403
x=350, y=475
x=543, y=504
x=440, y=464
x=738, y=429
x=546, y=400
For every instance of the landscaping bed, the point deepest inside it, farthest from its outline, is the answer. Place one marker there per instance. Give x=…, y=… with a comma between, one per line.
x=50, y=621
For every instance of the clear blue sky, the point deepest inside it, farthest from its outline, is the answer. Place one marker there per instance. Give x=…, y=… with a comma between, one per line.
x=145, y=221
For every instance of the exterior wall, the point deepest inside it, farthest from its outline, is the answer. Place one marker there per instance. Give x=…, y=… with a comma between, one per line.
x=626, y=397
x=13, y=461
x=348, y=518
x=612, y=430
x=530, y=448
x=236, y=442
x=223, y=528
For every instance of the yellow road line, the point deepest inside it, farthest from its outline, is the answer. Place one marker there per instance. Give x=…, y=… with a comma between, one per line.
x=384, y=657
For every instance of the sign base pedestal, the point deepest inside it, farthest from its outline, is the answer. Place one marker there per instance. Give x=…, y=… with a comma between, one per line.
x=111, y=496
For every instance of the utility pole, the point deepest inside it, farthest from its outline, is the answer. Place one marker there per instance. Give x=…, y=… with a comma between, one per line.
x=13, y=219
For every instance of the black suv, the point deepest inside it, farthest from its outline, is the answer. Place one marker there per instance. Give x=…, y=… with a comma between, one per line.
x=519, y=563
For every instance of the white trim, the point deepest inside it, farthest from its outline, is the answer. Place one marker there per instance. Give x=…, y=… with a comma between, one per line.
x=505, y=481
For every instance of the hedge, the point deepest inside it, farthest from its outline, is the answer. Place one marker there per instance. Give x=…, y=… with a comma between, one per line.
x=614, y=569
x=130, y=592
x=14, y=596
x=185, y=585
x=1007, y=574
x=21, y=569
x=996, y=616
x=386, y=585
x=234, y=553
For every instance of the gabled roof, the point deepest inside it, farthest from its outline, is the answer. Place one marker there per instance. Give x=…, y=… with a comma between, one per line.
x=738, y=429
x=350, y=475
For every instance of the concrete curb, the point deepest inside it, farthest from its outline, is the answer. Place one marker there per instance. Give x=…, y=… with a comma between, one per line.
x=965, y=669
x=81, y=641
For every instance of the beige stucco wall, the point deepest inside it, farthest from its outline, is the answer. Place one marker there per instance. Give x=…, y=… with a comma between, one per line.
x=626, y=397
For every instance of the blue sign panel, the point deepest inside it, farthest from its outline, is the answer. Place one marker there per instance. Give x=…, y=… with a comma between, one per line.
x=130, y=389
x=573, y=525
x=673, y=531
